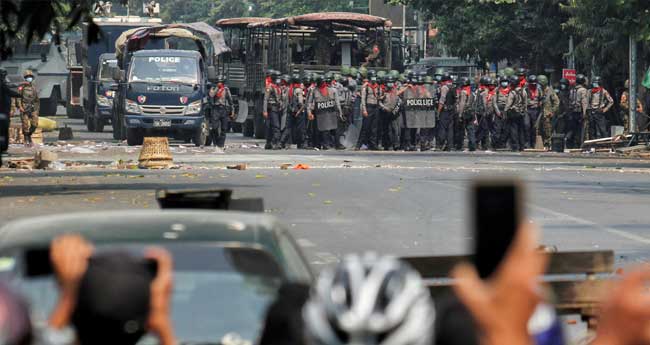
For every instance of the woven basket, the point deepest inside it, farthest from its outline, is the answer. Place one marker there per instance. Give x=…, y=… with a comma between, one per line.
x=155, y=153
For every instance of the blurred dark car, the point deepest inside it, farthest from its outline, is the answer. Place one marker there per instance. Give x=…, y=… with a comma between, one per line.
x=227, y=265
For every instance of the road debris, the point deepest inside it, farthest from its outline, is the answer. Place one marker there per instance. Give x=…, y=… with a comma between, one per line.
x=65, y=133
x=301, y=167
x=285, y=166
x=155, y=153
x=242, y=166
x=44, y=158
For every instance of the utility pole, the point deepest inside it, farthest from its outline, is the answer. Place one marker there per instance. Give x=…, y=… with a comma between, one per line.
x=572, y=58
x=632, y=90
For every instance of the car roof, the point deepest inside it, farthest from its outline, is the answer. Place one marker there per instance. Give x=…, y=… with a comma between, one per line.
x=166, y=52
x=108, y=56
x=145, y=226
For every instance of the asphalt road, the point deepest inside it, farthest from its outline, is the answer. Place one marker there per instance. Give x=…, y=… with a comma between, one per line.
x=397, y=203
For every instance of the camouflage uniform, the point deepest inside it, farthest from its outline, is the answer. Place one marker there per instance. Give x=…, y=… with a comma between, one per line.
x=29, y=107
x=467, y=116
x=535, y=99
x=550, y=106
x=625, y=110
x=578, y=120
x=499, y=129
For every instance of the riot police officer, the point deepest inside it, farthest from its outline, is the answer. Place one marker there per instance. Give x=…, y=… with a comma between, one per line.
x=390, y=104
x=222, y=109
x=535, y=98
x=516, y=108
x=370, y=95
x=600, y=102
x=579, y=105
x=296, y=119
x=325, y=107
x=483, y=96
x=29, y=104
x=499, y=126
x=564, y=107
x=272, y=109
x=466, y=115
x=447, y=111
x=346, y=98
x=418, y=103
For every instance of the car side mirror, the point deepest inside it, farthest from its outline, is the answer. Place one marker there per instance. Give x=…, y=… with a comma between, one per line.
x=212, y=73
x=118, y=74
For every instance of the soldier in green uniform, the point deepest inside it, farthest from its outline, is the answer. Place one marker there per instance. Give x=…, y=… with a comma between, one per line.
x=550, y=107
x=28, y=103
x=579, y=120
x=625, y=109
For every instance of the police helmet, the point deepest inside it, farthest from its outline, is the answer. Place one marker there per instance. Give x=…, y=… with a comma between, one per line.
x=353, y=72
x=446, y=77
x=390, y=79
x=508, y=71
x=363, y=71
x=464, y=81
x=483, y=80
x=514, y=80
x=564, y=81
x=402, y=78
x=28, y=73
x=532, y=79
x=394, y=73
x=521, y=71
x=328, y=77
x=439, y=72
x=491, y=81
x=285, y=78
x=295, y=78
x=345, y=70
x=542, y=79
x=319, y=79
x=597, y=80
x=428, y=80
x=581, y=79
x=221, y=78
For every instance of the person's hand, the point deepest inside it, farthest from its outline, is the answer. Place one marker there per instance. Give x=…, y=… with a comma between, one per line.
x=365, y=113
x=232, y=115
x=625, y=314
x=159, y=321
x=310, y=117
x=265, y=114
x=69, y=256
x=503, y=304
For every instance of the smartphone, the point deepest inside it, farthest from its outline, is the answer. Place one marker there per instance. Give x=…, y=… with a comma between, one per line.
x=497, y=207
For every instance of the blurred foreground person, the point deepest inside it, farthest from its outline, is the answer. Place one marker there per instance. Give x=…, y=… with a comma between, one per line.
x=503, y=304
x=15, y=325
x=369, y=300
x=108, y=298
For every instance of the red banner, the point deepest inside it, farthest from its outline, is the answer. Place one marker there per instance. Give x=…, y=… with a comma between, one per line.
x=570, y=75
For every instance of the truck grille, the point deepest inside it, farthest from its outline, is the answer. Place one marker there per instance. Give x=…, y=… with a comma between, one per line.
x=163, y=109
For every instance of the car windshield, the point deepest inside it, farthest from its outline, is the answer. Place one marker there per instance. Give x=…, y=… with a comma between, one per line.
x=218, y=291
x=105, y=69
x=164, y=69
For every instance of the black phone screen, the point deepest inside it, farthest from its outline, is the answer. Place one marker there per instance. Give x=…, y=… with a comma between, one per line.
x=496, y=218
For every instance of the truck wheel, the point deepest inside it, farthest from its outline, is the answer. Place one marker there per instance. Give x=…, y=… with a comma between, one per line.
x=260, y=127
x=99, y=122
x=116, y=128
x=201, y=135
x=90, y=122
x=134, y=136
x=248, y=129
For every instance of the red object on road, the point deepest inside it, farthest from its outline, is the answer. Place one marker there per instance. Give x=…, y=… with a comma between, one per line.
x=570, y=75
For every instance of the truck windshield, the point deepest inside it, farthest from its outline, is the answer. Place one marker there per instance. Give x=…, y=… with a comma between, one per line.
x=164, y=68
x=105, y=69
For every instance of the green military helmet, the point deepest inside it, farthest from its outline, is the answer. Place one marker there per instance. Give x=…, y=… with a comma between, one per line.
x=394, y=73
x=508, y=71
x=439, y=71
x=542, y=79
x=353, y=72
x=402, y=78
x=295, y=78
x=428, y=80
x=318, y=78
x=328, y=77
x=363, y=71
x=345, y=70
x=337, y=77
x=307, y=79
x=381, y=74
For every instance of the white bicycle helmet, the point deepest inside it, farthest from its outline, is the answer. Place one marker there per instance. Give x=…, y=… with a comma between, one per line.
x=369, y=300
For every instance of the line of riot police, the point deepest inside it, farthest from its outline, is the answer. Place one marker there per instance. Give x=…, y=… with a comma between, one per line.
x=369, y=110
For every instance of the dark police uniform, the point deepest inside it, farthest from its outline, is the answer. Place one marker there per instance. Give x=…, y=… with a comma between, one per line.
x=222, y=108
x=326, y=108
x=274, y=105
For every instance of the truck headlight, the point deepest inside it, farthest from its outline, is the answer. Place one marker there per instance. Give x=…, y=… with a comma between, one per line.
x=104, y=101
x=132, y=107
x=193, y=108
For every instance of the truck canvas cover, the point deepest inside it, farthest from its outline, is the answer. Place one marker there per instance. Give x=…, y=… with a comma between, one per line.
x=358, y=20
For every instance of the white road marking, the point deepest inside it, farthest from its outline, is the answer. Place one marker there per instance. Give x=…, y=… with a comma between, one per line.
x=303, y=242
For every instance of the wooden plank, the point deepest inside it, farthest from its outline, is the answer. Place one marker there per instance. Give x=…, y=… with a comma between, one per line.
x=560, y=263
x=584, y=294
x=632, y=148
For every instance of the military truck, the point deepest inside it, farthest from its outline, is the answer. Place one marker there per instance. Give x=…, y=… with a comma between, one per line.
x=164, y=75
x=232, y=65
x=83, y=67
x=316, y=42
x=48, y=63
